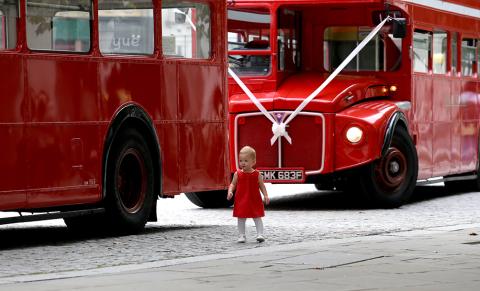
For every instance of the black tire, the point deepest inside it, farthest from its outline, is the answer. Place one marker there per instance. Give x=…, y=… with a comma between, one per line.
x=210, y=199
x=129, y=184
x=389, y=182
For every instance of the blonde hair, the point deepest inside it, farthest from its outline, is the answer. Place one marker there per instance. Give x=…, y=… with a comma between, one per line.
x=248, y=150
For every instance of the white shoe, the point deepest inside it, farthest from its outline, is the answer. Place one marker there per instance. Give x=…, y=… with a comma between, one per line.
x=260, y=238
x=241, y=239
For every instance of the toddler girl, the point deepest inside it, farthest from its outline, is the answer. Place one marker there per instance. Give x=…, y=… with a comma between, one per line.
x=248, y=202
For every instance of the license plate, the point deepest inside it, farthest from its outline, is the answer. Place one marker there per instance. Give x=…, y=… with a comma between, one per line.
x=283, y=175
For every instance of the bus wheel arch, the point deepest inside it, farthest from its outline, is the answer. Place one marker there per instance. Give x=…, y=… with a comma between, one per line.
x=131, y=143
x=397, y=119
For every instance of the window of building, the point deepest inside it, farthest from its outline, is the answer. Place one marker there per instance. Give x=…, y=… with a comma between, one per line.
x=454, y=44
x=186, y=29
x=439, y=59
x=8, y=24
x=59, y=26
x=126, y=27
x=421, y=50
x=468, y=56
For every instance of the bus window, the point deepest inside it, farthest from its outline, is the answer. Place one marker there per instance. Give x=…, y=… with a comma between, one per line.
x=287, y=39
x=468, y=56
x=382, y=53
x=2, y=30
x=249, y=29
x=186, y=31
x=454, y=52
x=439, y=52
x=126, y=27
x=8, y=24
x=59, y=27
x=421, y=50
x=250, y=65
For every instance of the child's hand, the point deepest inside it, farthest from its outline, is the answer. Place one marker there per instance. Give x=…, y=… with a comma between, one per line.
x=267, y=200
x=229, y=195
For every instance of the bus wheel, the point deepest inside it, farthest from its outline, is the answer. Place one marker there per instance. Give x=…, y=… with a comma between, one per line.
x=129, y=183
x=210, y=199
x=389, y=182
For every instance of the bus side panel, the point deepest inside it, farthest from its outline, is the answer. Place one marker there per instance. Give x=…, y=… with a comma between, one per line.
x=469, y=125
x=422, y=108
x=125, y=81
x=202, y=140
x=442, y=126
x=456, y=114
x=168, y=128
x=13, y=114
x=63, y=132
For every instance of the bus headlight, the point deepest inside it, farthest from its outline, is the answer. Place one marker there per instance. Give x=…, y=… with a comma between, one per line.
x=354, y=134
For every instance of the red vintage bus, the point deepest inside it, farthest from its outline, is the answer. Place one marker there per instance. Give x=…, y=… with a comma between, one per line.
x=107, y=105
x=403, y=110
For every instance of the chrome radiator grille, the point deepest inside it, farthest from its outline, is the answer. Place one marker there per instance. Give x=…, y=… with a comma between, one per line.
x=307, y=131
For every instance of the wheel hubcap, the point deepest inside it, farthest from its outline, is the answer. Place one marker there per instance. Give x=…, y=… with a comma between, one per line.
x=392, y=170
x=131, y=181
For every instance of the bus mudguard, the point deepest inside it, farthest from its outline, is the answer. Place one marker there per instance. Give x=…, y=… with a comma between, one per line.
x=362, y=131
x=134, y=114
x=397, y=118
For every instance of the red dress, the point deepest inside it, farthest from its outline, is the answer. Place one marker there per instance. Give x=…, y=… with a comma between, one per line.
x=248, y=201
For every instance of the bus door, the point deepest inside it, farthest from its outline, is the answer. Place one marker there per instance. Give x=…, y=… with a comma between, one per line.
x=63, y=105
x=469, y=104
x=191, y=34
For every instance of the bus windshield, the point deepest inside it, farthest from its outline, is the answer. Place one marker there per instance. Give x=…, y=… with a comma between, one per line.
x=249, y=41
x=382, y=53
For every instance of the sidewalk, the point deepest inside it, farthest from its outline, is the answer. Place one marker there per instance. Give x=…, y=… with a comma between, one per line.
x=446, y=258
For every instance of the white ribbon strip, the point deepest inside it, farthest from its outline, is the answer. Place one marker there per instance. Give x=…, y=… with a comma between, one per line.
x=279, y=129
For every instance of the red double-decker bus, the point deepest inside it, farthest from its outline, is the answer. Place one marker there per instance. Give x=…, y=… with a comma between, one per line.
x=107, y=105
x=368, y=96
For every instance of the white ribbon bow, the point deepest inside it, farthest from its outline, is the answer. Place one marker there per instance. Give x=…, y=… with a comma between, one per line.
x=280, y=129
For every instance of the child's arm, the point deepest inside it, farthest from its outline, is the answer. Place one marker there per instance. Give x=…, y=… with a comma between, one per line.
x=232, y=186
x=263, y=189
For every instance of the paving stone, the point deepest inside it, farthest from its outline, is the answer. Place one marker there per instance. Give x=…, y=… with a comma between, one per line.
x=297, y=214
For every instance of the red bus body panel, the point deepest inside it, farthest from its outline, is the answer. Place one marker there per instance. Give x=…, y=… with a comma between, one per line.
x=57, y=110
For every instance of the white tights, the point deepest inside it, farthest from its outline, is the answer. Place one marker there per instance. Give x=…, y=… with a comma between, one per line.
x=258, y=225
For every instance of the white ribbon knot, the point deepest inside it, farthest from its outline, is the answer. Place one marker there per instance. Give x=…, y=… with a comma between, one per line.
x=278, y=130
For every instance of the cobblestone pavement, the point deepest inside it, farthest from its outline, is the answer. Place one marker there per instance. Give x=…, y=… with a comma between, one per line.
x=296, y=214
